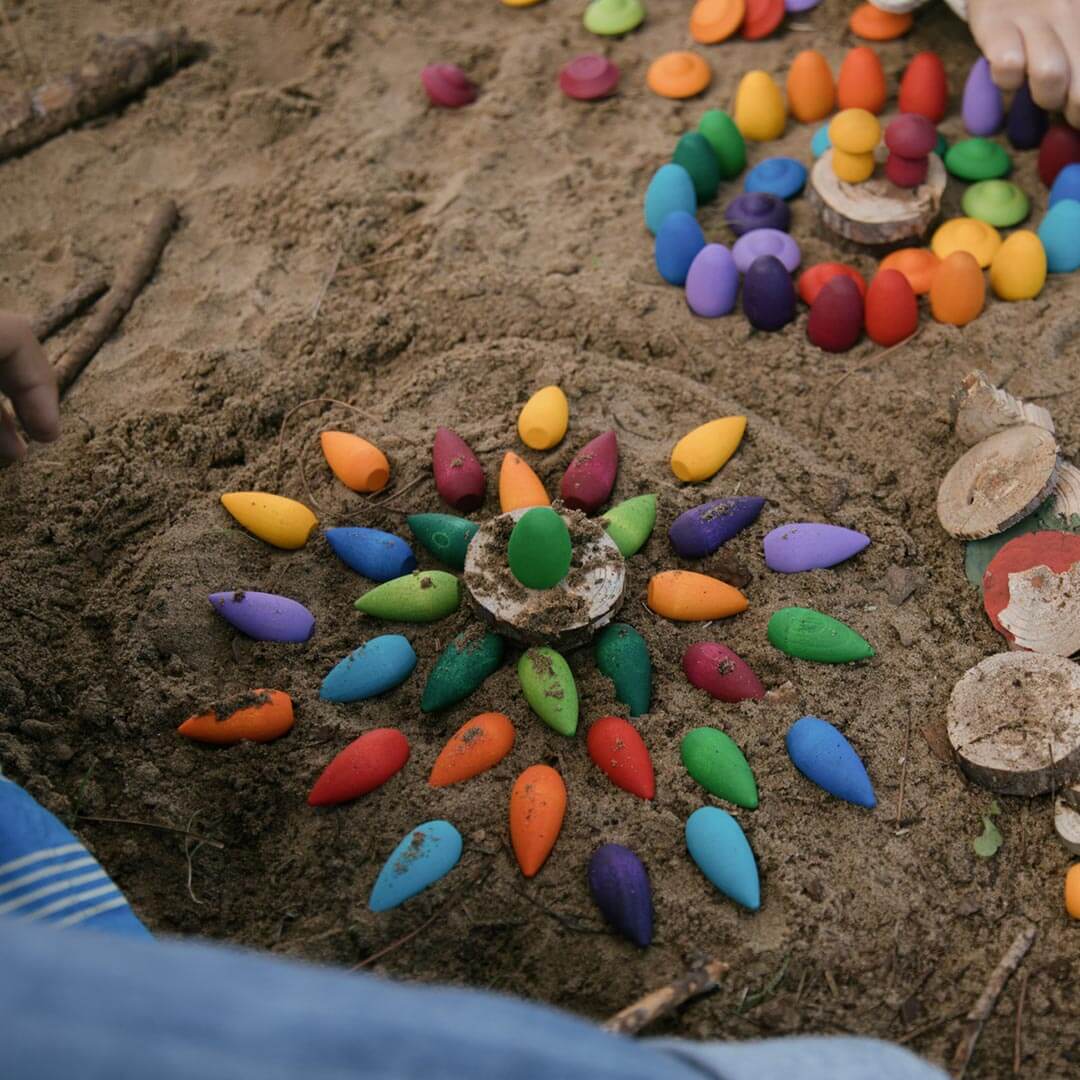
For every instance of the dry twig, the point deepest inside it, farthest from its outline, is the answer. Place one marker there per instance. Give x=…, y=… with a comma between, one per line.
x=68, y=307
x=666, y=999
x=155, y=825
x=903, y=772
x=1018, y=1033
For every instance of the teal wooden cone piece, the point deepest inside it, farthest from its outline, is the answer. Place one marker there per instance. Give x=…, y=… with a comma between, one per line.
x=623, y=656
x=715, y=761
x=631, y=523
x=446, y=536
x=423, y=596
x=539, y=551
x=462, y=666
x=548, y=686
x=718, y=845
x=810, y=635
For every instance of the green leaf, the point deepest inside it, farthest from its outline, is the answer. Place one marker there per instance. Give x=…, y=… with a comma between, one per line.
x=986, y=846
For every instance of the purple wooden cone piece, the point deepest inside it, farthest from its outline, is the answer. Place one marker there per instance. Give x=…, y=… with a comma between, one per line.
x=700, y=531
x=768, y=295
x=264, y=616
x=1027, y=122
x=982, y=109
x=808, y=545
x=619, y=884
x=459, y=476
x=757, y=210
x=713, y=282
x=589, y=478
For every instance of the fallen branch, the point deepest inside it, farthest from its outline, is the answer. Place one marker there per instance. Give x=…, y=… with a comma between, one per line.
x=984, y=1007
x=130, y=279
x=660, y=1002
x=186, y=833
x=68, y=307
x=118, y=69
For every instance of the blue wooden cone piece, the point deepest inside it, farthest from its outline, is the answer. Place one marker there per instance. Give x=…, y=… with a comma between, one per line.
x=378, y=555
x=47, y=876
x=718, y=845
x=427, y=854
x=264, y=616
x=377, y=666
x=700, y=531
x=822, y=754
x=619, y=884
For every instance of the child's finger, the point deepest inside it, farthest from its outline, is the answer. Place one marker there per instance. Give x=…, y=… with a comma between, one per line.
x=12, y=448
x=1048, y=66
x=26, y=376
x=1003, y=48
x=1070, y=35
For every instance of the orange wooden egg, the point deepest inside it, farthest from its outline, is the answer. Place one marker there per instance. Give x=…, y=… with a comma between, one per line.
x=265, y=715
x=685, y=596
x=861, y=84
x=892, y=312
x=811, y=91
x=958, y=292
x=537, y=807
x=519, y=486
x=873, y=24
x=918, y=265
x=476, y=746
x=355, y=462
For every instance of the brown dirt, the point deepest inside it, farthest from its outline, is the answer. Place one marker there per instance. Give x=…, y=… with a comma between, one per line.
x=340, y=238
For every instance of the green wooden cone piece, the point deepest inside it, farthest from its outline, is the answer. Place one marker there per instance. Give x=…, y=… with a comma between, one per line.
x=623, y=656
x=719, y=766
x=422, y=596
x=446, y=536
x=549, y=689
x=462, y=666
x=695, y=154
x=539, y=551
x=810, y=635
x=631, y=523
x=726, y=141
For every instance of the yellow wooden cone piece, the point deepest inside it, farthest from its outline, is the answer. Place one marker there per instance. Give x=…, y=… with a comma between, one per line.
x=542, y=422
x=519, y=486
x=704, y=451
x=285, y=523
x=1018, y=270
x=355, y=462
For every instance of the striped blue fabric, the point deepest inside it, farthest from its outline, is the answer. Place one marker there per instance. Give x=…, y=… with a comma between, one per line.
x=46, y=875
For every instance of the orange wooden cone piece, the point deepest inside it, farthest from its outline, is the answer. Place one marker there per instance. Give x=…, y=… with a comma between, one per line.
x=537, y=806
x=474, y=748
x=354, y=461
x=688, y=597
x=262, y=716
x=519, y=486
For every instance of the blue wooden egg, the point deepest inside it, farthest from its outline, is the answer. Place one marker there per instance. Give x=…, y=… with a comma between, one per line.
x=377, y=666
x=378, y=555
x=822, y=754
x=1060, y=236
x=670, y=189
x=427, y=854
x=781, y=176
x=718, y=845
x=1067, y=184
x=677, y=243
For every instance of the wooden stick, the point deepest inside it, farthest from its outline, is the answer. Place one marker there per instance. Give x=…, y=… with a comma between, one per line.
x=130, y=279
x=68, y=307
x=154, y=825
x=118, y=69
x=1018, y=1033
x=984, y=1007
x=694, y=983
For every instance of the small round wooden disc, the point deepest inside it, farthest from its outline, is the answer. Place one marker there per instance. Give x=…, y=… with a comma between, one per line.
x=1067, y=825
x=981, y=409
x=1067, y=492
x=564, y=616
x=1072, y=796
x=998, y=482
x=1014, y=722
x=876, y=212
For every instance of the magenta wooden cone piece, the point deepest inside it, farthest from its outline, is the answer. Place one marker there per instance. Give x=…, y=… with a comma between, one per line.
x=588, y=77
x=714, y=668
x=589, y=478
x=459, y=476
x=448, y=86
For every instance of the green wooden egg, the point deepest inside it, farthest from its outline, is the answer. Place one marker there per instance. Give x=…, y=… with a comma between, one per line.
x=726, y=141
x=695, y=154
x=539, y=551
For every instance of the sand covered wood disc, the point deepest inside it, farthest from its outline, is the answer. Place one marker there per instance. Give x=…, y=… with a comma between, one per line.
x=981, y=409
x=998, y=481
x=1067, y=825
x=1014, y=722
x=1067, y=493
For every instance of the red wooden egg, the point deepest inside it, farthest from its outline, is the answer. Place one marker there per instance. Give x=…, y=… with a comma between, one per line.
x=814, y=279
x=892, y=312
x=906, y=172
x=365, y=764
x=622, y=756
x=836, y=317
x=459, y=476
x=1060, y=147
x=911, y=136
x=861, y=83
x=924, y=88
x=714, y=668
x=589, y=478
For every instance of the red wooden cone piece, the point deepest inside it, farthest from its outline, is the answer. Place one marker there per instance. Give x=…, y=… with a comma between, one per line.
x=365, y=764
x=459, y=476
x=589, y=478
x=622, y=756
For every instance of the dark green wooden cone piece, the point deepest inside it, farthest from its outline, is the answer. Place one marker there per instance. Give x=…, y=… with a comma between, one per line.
x=694, y=153
x=539, y=551
x=549, y=688
x=462, y=666
x=719, y=766
x=810, y=635
x=623, y=656
x=446, y=536
x=631, y=523
x=423, y=596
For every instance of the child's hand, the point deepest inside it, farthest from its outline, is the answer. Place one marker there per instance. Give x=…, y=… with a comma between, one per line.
x=1036, y=39
x=26, y=376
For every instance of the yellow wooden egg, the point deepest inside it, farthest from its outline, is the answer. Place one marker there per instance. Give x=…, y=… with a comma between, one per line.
x=967, y=234
x=852, y=168
x=542, y=422
x=1018, y=271
x=1072, y=891
x=855, y=131
x=520, y=3
x=759, y=107
x=285, y=523
x=704, y=451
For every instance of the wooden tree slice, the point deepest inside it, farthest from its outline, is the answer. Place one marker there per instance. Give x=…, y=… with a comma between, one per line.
x=1067, y=825
x=1067, y=492
x=1014, y=722
x=981, y=409
x=876, y=212
x=563, y=617
x=1072, y=796
x=998, y=482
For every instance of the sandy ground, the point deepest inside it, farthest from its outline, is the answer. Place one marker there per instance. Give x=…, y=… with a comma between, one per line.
x=341, y=239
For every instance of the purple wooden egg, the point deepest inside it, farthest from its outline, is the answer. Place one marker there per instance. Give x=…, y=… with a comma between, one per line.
x=589, y=478
x=448, y=86
x=758, y=242
x=700, y=531
x=768, y=294
x=714, y=668
x=757, y=210
x=1027, y=122
x=264, y=616
x=712, y=282
x=808, y=545
x=619, y=884
x=982, y=108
